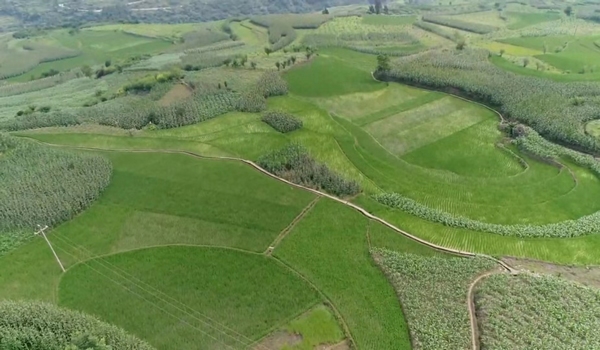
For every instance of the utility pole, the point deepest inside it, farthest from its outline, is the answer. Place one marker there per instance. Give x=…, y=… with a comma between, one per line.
x=43, y=233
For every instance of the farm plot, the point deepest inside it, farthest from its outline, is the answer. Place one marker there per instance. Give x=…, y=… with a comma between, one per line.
x=96, y=47
x=433, y=293
x=519, y=20
x=161, y=199
x=593, y=128
x=188, y=297
x=529, y=311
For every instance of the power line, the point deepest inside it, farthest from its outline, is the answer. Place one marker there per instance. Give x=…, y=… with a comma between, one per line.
x=87, y=263
x=140, y=282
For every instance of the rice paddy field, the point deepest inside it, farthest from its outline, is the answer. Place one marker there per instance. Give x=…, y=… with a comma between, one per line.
x=192, y=246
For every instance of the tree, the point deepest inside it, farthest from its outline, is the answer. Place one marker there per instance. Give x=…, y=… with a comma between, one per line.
x=461, y=44
x=107, y=63
x=371, y=9
x=502, y=52
x=227, y=62
x=87, y=71
x=253, y=65
x=525, y=62
x=386, y=10
x=293, y=58
x=268, y=51
x=278, y=65
x=383, y=63
x=545, y=48
x=568, y=11
x=235, y=64
x=325, y=11
x=377, y=6
x=243, y=60
x=539, y=66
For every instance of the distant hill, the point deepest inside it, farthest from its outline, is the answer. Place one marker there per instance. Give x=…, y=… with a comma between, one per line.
x=56, y=13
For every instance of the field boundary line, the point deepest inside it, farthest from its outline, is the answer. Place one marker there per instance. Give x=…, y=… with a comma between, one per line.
x=471, y=305
x=291, y=226
x=337, y=313
x=361, y=210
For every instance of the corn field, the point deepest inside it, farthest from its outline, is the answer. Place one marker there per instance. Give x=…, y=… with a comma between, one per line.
x=537, y=312
x=282, y=121
x=45, y=186
x=433, y=292
x=41, y=326
x=458, y=24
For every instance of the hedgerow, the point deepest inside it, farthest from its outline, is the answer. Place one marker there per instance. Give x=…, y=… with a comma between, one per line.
x=282, y=121
x=585, y=225
x=295, y=164
x=544, y=105
x=433, y=292
x=41, y=326
x=45, y=186
x=537, y=312
x=458, y=24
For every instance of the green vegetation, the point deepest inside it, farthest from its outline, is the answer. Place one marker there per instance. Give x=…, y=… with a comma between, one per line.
x=282, y=121
x=528, y=311
x=433, y=291
x=282, y=27
x=317, y=327
x=180, y=297
x=458, y=24
x=435, y=29
x=328, y=243
x=388, y=20
x=522, y=20
x=295, y=164
x=44, y=186
x=37, y=326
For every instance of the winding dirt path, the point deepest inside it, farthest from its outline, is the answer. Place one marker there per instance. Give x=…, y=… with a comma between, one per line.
x=502, y=264
x=471, y=304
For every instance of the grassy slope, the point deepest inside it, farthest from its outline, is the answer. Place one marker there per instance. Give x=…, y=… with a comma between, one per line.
x=329, y=246
x=180, y=297
x=521, y=20
x=96, y=47
x=157, y=199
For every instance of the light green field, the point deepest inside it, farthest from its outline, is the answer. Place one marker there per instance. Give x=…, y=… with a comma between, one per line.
x=96, y=47
x=155, y=30
x=593, y=128
x=580, y=55
x=379, y=20
x=522, y=20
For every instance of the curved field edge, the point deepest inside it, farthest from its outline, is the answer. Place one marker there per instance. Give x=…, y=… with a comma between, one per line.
x=179, y=297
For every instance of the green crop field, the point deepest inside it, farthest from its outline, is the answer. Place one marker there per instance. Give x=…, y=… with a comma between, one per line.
x=328, y=179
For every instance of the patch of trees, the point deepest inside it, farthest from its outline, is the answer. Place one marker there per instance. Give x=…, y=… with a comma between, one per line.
x=295, y=164
x=282, y=121
x=41, y=326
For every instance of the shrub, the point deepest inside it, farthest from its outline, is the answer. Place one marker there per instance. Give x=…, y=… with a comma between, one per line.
x=295, y=164
x=45, y=186
x=281, y=121
x=272, y=84
x=41, y=326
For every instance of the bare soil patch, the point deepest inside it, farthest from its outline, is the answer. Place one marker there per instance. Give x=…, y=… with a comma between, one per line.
x=586, y=275
x=339, y=346
x=178, y=93
x=278, y=340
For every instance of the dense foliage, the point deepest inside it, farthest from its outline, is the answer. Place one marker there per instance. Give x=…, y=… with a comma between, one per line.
x=44, y=186
x=546, y=106
x=589, y=224
x=458, y=24
x=433, y=293
x=295, y=164
x=40, y=326
x=537, y=312
x=282, y=121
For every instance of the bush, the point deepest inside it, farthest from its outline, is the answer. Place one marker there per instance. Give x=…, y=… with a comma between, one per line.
x=45, y=186
x=294, y=164
x=272, y=84
x=281, y=121
x=41, y=326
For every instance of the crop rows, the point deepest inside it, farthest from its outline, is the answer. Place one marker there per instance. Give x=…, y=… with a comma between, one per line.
x=433, y=293
x=36, y=326
x=557, y=111
x=458, y=24
x=537, y=312
x=40, y=84
x=282, y=27
x=44, y=186
x=15, y=63
x=436, y=30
